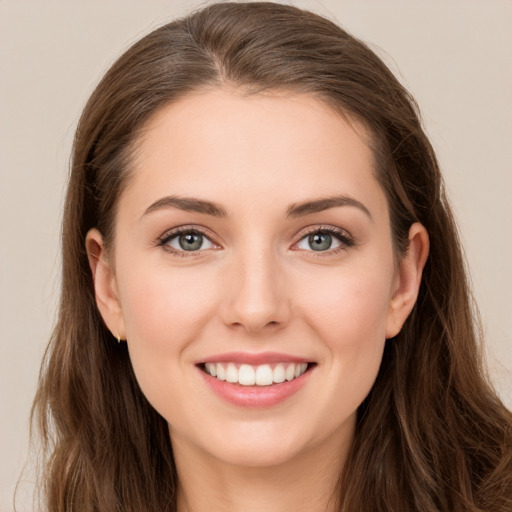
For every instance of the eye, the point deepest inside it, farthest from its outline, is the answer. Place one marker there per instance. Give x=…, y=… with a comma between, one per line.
x=187, y=241
x=323, y=240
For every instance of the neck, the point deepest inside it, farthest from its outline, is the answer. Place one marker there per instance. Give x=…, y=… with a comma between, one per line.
x=305, y=483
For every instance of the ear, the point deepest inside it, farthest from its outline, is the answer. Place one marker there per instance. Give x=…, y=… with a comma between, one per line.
x=105, y=287
x=408, y=279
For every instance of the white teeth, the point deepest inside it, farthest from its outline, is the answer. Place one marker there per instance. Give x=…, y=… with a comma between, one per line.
x=262, y=375
x=211, y=369
x=246, y=375
x=231, y=373
x=279, y=374
x=221, y=373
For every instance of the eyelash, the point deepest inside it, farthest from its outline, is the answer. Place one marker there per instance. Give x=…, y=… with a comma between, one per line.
x=163, y=240
x=346, y=241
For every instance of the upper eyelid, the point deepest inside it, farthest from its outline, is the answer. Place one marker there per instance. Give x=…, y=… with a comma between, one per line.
x=303, y=232
x=344, y=237
x=322, y=227
x=173, y=232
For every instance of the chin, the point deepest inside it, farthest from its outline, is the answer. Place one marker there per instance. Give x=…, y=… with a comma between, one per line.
x=258, y=453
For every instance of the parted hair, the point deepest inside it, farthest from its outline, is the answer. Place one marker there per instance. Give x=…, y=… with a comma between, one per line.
x=432, y=435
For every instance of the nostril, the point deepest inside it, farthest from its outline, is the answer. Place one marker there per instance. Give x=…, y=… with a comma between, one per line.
x=252, y=327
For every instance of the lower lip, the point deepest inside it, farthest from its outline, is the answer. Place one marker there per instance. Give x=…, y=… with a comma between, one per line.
x=255, y=396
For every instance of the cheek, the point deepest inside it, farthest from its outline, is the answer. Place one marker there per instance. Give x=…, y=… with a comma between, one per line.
x=348, y=314
x=165, y=311
x=348, y=308
x=163, y=308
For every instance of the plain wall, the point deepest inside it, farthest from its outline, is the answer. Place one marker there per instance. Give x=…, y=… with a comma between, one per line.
x=454, y=56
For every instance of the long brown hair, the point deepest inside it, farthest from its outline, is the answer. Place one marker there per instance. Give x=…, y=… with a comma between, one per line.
x=432, y=434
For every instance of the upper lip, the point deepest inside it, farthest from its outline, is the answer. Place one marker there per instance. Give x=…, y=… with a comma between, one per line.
x=253, y=359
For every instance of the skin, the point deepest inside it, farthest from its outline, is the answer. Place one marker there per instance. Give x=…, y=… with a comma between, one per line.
x=256, y=285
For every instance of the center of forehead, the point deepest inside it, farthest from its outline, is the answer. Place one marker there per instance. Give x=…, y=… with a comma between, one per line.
x=217, y=141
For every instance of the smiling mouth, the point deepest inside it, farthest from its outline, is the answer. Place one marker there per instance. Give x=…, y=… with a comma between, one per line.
x=256, y=375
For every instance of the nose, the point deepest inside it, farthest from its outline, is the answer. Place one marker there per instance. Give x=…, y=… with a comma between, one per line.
x=256, y=298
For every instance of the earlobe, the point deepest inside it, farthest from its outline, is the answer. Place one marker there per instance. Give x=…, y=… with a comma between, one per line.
x=408, y=279
x=105, y=288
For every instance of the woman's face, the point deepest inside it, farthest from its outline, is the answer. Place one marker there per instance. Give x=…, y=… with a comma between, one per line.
x=253, y=243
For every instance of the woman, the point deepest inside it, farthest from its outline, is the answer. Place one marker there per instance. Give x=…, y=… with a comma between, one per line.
x=264, y=299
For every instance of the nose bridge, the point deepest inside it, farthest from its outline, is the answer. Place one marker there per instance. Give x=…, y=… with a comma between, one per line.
x=257, y=296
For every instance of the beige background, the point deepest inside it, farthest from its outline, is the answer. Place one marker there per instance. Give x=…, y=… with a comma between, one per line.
x=455, y=56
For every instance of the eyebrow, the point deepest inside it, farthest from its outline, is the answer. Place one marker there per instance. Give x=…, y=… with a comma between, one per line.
x=188, y=204
x=191, y=204
x=320, y=205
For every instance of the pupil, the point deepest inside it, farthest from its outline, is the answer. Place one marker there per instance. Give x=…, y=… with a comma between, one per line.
x=191, y=241
x=320, y=241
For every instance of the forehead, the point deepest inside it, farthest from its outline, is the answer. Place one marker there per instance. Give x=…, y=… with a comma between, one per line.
x=222, y=143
